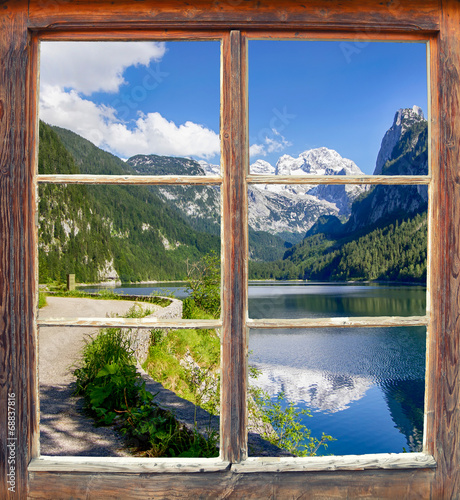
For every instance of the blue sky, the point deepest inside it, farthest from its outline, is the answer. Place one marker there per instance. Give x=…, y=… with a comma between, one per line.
x=148, y=97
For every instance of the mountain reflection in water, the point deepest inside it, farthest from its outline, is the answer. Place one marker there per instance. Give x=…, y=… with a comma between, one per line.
x=364, y=386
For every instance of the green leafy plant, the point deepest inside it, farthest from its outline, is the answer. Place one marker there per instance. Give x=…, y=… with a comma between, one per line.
x=41, y=299
x=203, y=279
x=115, y=394
x=289, y=433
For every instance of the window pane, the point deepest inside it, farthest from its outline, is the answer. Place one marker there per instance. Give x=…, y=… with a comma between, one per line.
x=326, y=251
x=153, y=105
x=337, y=108
x=363, y=386
x=92, y=398
x=125, y=233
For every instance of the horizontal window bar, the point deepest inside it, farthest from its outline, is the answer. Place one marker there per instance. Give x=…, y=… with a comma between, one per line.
x=129, y=179
x=339, y=322
x=338, y=179
x=251, y=465
x=131, y=323
x=126, y=464
x=328, y=463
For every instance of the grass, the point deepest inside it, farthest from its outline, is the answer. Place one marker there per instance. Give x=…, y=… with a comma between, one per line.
x=115, y=395
x=41, y=299
x=106, y=294
x=165, y=362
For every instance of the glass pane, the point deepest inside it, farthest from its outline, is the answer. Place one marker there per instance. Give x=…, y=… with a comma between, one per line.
x=337, y=108
x=320, y=252
x=116, y=238
x=124, y=233
x=92, y=398
x=153, y=105
x=364, y=387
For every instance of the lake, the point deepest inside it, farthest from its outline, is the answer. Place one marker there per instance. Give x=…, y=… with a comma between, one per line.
x=363, y=386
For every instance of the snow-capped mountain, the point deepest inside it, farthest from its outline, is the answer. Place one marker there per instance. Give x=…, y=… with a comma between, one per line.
x=319, y=161
x=262, y=167
x=286, y=210
x=289, y=211
x=295, y=208
x=208, y=168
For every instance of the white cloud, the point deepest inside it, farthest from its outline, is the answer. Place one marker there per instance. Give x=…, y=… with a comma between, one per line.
x=89, y=67
x=72, y=71
x=151, y=133
x=270, y=144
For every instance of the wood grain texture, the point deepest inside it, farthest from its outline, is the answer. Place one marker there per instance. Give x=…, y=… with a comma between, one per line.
x=17, y=284
x=338, y=179
x=385, y=484
x=234, y=250
x=377, y=321
x=130, y=323
x=443, y=387
x=115, y=465
x=392, y=461
x=358, y=15
x=129, y=179
x=104, y=19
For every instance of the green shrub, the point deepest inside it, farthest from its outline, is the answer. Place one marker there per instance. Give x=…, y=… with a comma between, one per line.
x=41, y=299
x=203, y=280
x=115, y=394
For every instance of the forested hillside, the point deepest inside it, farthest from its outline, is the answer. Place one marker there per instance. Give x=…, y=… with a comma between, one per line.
x=137, y=233
x=385, y=237
x=100, y=232
x=396, y=252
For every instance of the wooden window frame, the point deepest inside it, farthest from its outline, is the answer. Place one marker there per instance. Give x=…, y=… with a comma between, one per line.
x=435, y=473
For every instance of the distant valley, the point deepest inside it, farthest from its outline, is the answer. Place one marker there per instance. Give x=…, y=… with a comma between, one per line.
x=295, y=231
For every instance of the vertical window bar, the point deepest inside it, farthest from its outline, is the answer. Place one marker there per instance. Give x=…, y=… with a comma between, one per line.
x=234, y=248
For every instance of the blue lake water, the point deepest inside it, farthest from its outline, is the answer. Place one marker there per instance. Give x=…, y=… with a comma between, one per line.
x=363, y=386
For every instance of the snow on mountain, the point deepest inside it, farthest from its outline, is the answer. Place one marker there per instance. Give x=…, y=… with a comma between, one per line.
x=262, y=167
x=319, y=161
x=403, y=120
x=208, y=168
x=293, y=209
x=284, y=210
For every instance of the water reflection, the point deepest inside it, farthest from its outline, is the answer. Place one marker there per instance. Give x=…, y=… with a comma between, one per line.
x=338, y=370
x=317, y=300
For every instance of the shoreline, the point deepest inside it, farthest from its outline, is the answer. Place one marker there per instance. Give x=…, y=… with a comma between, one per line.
x=116, y=284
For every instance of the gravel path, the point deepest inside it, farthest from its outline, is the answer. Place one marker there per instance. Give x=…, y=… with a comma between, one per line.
x=64, y=429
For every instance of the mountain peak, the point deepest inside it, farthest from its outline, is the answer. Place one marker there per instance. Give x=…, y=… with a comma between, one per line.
x=262, y=167
x=318, y=161
x=403, y=120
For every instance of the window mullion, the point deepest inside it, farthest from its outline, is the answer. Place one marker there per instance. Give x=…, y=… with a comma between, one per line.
x=234, y=247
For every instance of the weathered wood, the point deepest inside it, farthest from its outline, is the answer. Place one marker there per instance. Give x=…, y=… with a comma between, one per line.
x=357, y=18
x=18, y=422
x=234, y=249
x=338, y=179
x=129, y=179
x=115, y=465
x=443, y=368
x=369, y=485
x=328, y=463
x=365, y=35
x=131, y=323
x=126, y=35
x=356, y=15
x=377, y=321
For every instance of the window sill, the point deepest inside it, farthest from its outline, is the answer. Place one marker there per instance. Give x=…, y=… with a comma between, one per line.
x=136, y=465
